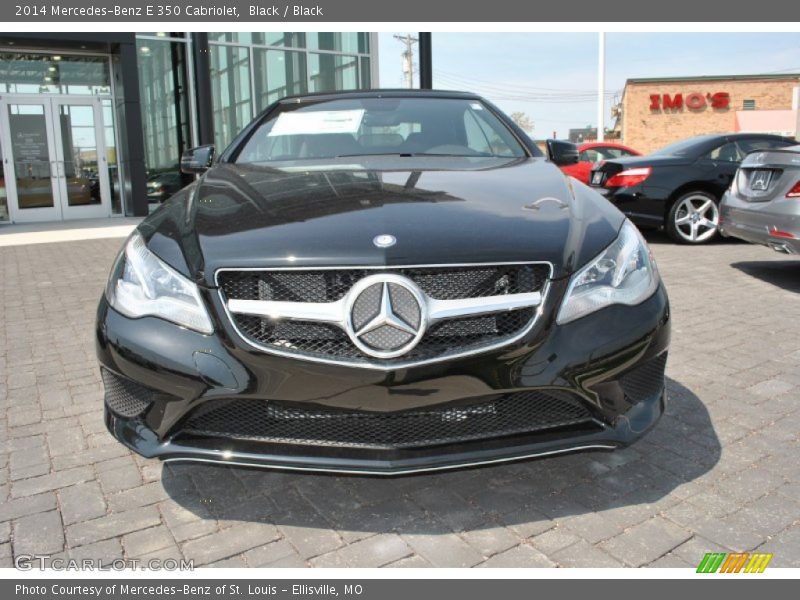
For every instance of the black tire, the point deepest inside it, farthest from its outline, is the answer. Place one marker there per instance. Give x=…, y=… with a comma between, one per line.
x=684, y=227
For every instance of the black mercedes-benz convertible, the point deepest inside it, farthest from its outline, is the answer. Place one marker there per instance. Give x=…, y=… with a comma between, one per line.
x=382, y=282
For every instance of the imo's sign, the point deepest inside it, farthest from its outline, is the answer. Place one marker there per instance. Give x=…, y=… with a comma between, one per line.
x=693, y=101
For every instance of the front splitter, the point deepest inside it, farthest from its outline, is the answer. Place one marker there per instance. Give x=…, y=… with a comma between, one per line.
x=142, y=440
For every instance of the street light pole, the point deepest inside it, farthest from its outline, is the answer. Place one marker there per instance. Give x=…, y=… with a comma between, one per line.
x=601, y=87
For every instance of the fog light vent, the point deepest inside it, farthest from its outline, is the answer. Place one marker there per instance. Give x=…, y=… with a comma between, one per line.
x=644, y=381
x=125, y=397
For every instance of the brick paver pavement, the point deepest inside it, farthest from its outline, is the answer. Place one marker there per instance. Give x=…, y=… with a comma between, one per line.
x=721, y=472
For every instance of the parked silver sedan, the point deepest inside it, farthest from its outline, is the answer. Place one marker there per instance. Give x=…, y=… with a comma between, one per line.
x=763, y=204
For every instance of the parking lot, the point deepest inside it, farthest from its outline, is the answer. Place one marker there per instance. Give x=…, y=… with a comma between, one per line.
x=721, y=471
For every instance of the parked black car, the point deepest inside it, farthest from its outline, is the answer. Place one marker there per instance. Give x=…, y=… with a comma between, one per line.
x=382, y=282
x=679, y=187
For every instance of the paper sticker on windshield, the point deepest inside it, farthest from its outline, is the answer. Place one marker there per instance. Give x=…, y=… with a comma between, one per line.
x=318, y=121
x=476, y=106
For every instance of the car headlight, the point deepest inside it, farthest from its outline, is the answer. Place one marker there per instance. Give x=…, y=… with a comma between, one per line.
x=623, y=273
x=141, y=285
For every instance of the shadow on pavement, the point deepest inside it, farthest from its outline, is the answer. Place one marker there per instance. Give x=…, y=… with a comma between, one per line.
x=527, y=494
x=784, y=274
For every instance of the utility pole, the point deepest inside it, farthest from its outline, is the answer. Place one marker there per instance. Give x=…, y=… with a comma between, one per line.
x=408, y=58
x=601, y=87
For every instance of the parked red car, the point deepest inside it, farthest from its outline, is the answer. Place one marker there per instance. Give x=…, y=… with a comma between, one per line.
x=591, y=152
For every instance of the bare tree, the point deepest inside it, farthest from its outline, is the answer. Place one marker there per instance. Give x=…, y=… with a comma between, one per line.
x=523, y=120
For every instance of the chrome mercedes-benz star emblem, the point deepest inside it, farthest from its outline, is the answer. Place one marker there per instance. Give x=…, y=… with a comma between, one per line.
x=385, y=316
x=384, y=241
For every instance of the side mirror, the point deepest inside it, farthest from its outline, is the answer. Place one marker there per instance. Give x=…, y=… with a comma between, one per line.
x=562, y=153
x=197, y=160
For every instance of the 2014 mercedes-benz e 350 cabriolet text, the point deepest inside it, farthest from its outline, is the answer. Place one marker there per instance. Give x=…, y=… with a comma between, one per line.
x=382, y=282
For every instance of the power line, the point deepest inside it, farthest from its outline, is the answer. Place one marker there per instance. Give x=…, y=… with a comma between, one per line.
x=791, y=70
x=522, y=93
x=518, y=86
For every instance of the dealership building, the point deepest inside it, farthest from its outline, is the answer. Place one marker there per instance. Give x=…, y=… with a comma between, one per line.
x=92, y=123
x=655, y=112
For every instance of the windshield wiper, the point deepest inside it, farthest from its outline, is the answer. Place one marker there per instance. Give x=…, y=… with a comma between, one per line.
x=451, y=154
x=374, y=154
x=412, y=154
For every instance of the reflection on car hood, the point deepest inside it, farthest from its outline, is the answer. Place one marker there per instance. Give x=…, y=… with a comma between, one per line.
x=440, y=210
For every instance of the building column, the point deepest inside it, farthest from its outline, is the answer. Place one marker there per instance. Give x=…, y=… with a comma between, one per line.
x=425, y=61
x=202, y=84
x=131, y=137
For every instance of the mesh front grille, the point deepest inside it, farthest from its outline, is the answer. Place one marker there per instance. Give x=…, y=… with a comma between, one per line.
x=445, y=283
x=313, y=339
x=329, y=342
x=645, y=380
x=470, y=333
x=511, y=414
x=124, y=397
x=289, y=286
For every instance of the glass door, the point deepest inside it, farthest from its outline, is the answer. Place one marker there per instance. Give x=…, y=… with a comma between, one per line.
x=81, y=158
x=54, y=158
x=4, y=216
x=29, y=160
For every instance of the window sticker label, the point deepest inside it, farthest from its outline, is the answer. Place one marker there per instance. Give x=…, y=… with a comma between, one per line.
x=476, y=106
x=319, y=121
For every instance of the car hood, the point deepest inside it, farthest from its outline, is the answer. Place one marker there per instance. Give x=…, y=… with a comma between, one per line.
x=441, y=211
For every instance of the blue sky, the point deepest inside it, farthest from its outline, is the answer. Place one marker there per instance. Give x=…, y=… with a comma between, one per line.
x=553, y=76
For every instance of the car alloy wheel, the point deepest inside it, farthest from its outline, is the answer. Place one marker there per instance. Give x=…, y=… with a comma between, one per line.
x=694, y=218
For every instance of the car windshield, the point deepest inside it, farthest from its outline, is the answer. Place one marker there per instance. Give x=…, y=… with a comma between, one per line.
x=354, y=127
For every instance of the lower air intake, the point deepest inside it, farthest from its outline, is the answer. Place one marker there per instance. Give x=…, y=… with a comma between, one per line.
x=646, y=380
x=124, y=397
x=510, y=414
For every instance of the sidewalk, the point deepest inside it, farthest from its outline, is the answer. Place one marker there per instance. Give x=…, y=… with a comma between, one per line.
x=66, y=231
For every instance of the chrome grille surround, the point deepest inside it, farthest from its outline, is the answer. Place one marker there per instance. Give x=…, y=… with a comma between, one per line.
x=332, y=343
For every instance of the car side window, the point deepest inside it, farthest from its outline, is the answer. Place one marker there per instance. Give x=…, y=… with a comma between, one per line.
x=749, y=146
x=618, y=153
x=482, y=137
x=603, y=153
x=729, y=152
x=476, y=139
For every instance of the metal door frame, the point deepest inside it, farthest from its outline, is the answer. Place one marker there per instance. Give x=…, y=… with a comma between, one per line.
x=60, y=209
x=90, y=211
x=49, y=213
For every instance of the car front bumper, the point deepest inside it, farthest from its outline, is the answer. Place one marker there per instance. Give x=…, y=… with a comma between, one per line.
x=609, y=364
